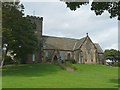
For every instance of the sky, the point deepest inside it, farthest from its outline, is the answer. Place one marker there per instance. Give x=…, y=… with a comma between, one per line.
x=60, y=21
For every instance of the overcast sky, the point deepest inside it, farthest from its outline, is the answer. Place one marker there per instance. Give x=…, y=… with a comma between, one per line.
x=62, y=22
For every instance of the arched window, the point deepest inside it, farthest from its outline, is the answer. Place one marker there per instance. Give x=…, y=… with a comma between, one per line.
x=46, y=53
x=81, y=53
x=68, y=56
x=62, y=55
x=55, y=59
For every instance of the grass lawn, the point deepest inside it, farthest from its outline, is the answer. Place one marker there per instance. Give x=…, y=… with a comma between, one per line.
x=52, y=76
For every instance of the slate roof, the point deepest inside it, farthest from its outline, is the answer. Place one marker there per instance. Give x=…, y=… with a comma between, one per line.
x=50, y=42
x=79, y=43
x=61, y=43
x=99, y=49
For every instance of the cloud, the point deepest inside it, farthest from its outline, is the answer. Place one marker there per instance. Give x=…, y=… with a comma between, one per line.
x=115, y=46
x=62, y=22
x=107, y=38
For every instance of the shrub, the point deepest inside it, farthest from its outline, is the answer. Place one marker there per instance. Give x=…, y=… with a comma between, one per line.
x=73, y=61
x=8, y=60
x=67, y=61
x=116, y=64
x=70, y=61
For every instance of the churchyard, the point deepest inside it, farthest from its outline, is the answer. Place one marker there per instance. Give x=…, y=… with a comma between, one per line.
x=53, y=76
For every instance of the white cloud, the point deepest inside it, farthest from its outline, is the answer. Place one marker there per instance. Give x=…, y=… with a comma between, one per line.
x=114, y=46
x=107, y=38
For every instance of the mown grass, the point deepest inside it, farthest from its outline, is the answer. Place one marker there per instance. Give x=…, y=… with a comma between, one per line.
x=52, y=76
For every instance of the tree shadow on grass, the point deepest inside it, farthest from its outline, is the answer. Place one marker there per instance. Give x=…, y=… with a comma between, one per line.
x=116, y=81
x=30, y=70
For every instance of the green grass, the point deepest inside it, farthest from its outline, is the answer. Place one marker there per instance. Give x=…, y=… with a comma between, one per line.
x=52, y=76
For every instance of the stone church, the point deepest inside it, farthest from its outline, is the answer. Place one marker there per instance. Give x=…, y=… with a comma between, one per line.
x=57, y=49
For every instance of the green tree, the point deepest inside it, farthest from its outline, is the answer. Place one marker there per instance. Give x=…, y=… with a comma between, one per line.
x=99, y=7
x=75, y=5
x=111, y=7
x=112, y=54
x=17, y=30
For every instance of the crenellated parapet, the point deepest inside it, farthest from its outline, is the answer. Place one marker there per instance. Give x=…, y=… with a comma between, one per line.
x=38, y=21
x=35, y=17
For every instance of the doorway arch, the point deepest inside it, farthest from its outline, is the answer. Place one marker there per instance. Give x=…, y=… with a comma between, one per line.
x=55, y=59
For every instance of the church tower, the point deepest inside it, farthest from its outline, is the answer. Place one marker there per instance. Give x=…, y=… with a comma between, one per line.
x=38, y=21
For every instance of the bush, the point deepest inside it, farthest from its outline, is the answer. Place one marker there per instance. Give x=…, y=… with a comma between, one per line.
x=73, y=61
x=116, y=64
x=17, y=61
x=8, y=60
x=70, y=61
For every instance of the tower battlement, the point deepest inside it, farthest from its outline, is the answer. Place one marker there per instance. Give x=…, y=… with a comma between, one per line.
x=35, y=17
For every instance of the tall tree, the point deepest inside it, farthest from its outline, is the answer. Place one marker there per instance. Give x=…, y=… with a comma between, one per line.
x=18, y=31
x=99, y=7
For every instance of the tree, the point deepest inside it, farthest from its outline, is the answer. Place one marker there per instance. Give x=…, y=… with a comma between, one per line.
x=99, y=7
x=17, y=31
x=111, y=7
x=75, y=5
x=112, y=54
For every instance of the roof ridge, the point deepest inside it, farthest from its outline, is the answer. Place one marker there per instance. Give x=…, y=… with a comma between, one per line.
x=60, y=37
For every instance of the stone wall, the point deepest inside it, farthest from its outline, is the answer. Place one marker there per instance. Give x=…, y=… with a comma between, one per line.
x=61, y=55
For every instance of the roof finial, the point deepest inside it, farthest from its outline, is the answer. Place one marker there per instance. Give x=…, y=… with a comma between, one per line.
x=87, y=34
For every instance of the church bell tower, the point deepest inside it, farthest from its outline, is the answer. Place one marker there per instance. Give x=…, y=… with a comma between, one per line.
x=38, y=21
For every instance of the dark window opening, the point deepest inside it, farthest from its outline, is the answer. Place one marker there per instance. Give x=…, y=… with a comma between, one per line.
x=68, y=56
x=91, y=60
x=55, y=59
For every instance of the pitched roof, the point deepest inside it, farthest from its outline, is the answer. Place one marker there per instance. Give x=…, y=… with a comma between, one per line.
x=99, y=49
x=61, y=43
x=50, y=42
x=79, y=43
